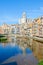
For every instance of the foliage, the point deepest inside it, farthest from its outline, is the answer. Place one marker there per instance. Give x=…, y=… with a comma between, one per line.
x=40, y=62
x=3, y=38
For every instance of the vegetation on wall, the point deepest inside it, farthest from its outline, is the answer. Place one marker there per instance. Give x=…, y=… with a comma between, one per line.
x=3, y=38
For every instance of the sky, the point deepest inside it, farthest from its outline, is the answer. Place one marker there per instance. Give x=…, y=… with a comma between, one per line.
x=11, y=10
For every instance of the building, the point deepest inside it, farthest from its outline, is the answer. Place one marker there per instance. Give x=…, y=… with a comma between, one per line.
x=6, y=28
x=23, y=19
x=15, y=29
x=26, y=25
x=37, y=27
x=1, y=30
x=41, y=27
x=35, y=30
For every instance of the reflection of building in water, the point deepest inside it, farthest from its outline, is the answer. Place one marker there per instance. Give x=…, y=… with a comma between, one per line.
x=37, y=48
x=12, y=39
x=23, y=42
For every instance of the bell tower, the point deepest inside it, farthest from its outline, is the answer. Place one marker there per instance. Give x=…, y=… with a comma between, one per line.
x=23, y=18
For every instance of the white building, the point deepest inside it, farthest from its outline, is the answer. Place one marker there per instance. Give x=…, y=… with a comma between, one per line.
x=23, y=18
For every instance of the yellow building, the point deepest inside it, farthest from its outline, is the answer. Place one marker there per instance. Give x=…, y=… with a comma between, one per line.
x=38, y=27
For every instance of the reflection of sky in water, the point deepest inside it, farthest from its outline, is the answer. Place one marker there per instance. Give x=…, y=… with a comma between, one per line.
x=13, y=48
x=13, y=63
x=8, y=51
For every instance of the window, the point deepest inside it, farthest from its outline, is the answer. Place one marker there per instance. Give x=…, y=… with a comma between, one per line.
x=13, y=30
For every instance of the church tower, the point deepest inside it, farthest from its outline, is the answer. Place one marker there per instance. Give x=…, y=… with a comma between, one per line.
x=23, y=18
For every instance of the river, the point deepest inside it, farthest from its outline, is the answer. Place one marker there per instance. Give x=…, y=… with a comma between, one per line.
x=21, y=45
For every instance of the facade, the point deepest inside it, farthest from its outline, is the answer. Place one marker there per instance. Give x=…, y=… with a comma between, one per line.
x=1, y=30
x=5, y=28
x=35, y=30
x=25, y=27
x=41, y=27
x=38, y=27
x=10, y=29
x=15, y=29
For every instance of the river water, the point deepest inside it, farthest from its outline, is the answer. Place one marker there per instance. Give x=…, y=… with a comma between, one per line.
x=16, y=46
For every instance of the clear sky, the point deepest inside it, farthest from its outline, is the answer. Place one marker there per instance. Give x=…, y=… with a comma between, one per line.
x=11, y=10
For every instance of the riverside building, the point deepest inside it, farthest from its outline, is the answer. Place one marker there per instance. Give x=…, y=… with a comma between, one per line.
x=26, y=27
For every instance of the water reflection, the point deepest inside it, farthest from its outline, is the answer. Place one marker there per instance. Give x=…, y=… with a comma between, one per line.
x=13, y=47
x=37, y=48
x=24, y=43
